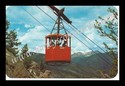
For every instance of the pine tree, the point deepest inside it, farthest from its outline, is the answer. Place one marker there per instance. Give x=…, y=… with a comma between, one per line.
x=24, y=50
x=7, y=25
x=108, y=27
x=27, y=60
x=11, y=40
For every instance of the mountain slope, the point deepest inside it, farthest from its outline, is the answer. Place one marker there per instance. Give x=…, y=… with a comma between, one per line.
x=16, y=70
x=94, y=60
x=21, y=69
x=81, y=66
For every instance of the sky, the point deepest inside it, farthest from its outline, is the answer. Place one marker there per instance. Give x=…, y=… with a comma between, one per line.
x=31, y=32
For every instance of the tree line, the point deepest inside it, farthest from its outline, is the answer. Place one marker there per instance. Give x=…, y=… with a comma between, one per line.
x=12, y=42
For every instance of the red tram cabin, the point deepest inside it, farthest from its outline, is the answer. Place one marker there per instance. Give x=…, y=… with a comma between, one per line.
x=58, y=48
x=58, y=45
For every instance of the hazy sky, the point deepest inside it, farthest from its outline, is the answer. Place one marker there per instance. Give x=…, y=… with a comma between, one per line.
x=31, y=32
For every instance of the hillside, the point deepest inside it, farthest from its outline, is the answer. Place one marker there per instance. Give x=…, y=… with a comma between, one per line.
x=85, y=65
x=16, y=70
x=93, y=60
x=82, y=66
x=21, y=69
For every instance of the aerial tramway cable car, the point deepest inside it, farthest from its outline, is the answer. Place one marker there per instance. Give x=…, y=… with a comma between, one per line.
x=58, y=45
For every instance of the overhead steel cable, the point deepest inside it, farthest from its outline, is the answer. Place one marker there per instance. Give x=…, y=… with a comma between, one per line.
x=46, y=13
x=75, y=36
x=46, y=28
x=88, y=42
x=89, y=47
x=91, y=41
x=35, y=19
x=81, y=33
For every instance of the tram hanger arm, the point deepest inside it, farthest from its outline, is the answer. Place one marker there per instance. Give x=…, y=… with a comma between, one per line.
x=60, y=13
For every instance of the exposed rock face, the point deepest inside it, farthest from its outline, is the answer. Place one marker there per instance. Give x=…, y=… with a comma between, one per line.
x=36, y=72
x=20, y=70
x=46, y=74
x=15, y=70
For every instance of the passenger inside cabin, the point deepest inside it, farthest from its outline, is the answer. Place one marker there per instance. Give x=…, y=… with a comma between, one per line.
x=65, y=42
x=59, y=41
x=52, y=41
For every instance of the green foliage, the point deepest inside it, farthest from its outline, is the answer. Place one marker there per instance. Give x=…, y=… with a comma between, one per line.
x=111, y=51
x=114, y=12
x=27, y=58
x=11, y=40
x=108, y=27
x=7, y=25
x=24, y=50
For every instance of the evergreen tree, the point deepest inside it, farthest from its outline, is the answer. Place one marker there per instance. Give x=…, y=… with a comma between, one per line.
x=7, y=25
x=11, y=40
x=27, y=60
x=24, y=50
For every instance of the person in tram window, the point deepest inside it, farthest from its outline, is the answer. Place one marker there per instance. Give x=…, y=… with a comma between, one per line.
x=62, y=41
x=65, y=42
x=59, y=41
x=52, y=41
